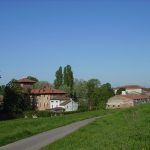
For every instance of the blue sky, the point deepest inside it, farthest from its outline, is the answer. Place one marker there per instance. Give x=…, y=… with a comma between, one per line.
x=108, y=40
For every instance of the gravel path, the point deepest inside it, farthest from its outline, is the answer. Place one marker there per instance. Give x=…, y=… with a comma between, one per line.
x=43, y=139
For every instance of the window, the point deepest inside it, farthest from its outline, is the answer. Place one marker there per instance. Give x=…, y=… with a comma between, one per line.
x=56, y=101
x=118, y=105
x=51, y=101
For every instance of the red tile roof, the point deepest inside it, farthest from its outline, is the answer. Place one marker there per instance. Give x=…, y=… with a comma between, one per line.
x=135, y=96
x=25, y=80
x=47, y=91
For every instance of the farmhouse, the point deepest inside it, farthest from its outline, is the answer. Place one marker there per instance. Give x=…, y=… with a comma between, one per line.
x=129, y=100
x=44, y=97
x=130, y=89
x=48, y=98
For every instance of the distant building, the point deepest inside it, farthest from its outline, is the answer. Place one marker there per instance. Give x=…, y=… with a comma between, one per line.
x=124, y=101
x=130, y=89
x=45, y=96
x=133, y=95
x=26, y=83
x=48, y=98
x=70, y=105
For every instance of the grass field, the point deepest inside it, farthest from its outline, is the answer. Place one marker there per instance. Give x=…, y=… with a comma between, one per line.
x=127, y=129
x=14, y=130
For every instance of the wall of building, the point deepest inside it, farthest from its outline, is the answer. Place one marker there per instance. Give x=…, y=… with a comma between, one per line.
x=55, y=103
x=141, y=101
x=129, y=91
x=72, y=106
x=118, y=102
x=43, y=102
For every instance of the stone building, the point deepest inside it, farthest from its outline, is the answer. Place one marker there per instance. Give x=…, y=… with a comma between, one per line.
x=47, y=98
x=26, y=84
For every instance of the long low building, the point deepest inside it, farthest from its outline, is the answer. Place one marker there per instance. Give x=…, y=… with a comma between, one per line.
x=129, y=100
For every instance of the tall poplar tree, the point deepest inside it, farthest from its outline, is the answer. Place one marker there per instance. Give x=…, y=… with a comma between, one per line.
x=68, y=78
x=59, y=78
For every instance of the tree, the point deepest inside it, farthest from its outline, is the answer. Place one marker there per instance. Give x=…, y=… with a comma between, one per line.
x=119, y=91
x=41, y=84
x=68, y=78
x=15, y=101
x=59, y=78
x=32, y=78
x=12, y=98
x=80, y=88
x=92, y=86
x=2, y=88
x=103, y=94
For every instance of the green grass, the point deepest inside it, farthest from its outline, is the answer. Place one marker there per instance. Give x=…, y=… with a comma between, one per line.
x=14, y=130
x=127, y=129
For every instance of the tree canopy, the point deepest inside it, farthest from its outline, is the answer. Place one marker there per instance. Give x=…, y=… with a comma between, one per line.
x=119, y=91
x=32, y=78
x=64, y=79
x=42, y=84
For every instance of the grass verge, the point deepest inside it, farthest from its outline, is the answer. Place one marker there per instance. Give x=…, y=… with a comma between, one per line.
x=13, y=130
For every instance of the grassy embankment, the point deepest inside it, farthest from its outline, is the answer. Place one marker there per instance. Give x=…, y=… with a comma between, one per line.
x=127, y=129
x=13, y=130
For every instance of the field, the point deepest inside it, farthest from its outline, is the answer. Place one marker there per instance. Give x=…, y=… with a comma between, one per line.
x=127, y=129
x=14, y=130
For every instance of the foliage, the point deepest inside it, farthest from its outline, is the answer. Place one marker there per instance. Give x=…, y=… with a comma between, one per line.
x=59, y=78
x=92, y=86
x=64, y=79
x=12, y=98
x=102, y=94
x=32, y=78
x=29, y=114
x=15, y=102
x=33, y=102
x=119, y=91
x=68, y=77
x=42, y=84
x=126, y=129
x=80, y=87
x=2, y=88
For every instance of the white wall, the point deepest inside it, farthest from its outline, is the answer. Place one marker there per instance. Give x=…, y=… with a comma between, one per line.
x=129, y=91
x=72, y=106
x=55, y=103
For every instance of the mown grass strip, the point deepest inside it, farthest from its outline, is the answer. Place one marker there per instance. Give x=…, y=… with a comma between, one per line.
x=13, y=130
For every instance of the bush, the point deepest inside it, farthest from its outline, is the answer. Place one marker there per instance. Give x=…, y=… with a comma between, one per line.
x=44, y=113
x=29, y=114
